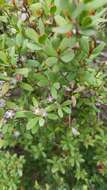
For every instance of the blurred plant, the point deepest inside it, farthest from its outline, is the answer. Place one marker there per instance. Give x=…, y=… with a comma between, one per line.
x=52, y=94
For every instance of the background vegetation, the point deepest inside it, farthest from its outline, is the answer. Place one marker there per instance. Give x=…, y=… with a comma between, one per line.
x=53, y=95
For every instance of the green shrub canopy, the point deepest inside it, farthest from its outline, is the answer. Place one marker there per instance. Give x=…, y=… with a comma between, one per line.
x=53, y=95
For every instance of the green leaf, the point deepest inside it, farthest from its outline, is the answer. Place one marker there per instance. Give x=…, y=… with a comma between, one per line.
x=51, y=107
x=32, y=34
x=19, y=39
x=67, y=109
x=42, y=39
x=41, y=122
x=32, y=63
x=41, y=26
x=51, y=61
x=84, y=44
x=5, y=88
x=21, y=114
x=98, y=49
x=54, y=169
x=23, y=71
x=96, y=4
x=49, y=49
x=62, y=29
x=60, y=21
x=66, y=103
x=32, y=123
x=54, y=92
x=35, y=102
x=34, y=130
x=26, y=86
x=56, y=85
x=36, y=9
x=24, y=114
x=67, y=56
x=3, y=19
x=33, y=47
x=86, y=22
x=3, y=77
x=3, y=57
x=2, y=143
x=52, y=116
x=60, y=112
x=12, y=55
x=53, y=9
x=67, y=43
x=62, y=4
x=41, y=80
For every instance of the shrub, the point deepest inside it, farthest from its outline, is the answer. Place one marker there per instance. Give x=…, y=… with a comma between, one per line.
x=11, y=171
x=52, y=90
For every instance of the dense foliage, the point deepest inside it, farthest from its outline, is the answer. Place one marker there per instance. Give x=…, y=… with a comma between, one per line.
x=53, y=95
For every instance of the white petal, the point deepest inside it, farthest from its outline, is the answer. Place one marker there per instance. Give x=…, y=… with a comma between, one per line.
x=75, y=131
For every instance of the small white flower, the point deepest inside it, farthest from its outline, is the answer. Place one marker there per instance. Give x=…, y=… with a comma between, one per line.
x=2, y=103
x=1, y=83
x=5, y=74
x=68, y=89
x=50, y=98
x=9, y=114
x=37, y=111
x=44, y=113
x=64, y=73
x=23, y=8
x=74, y=31
x=40, y=112
x=75, y=132
x=8, y=94
x=13, y=81
x=33, y=57
x=23, y=16
x=16, y=134
x=23, y=58
x=13, y=30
